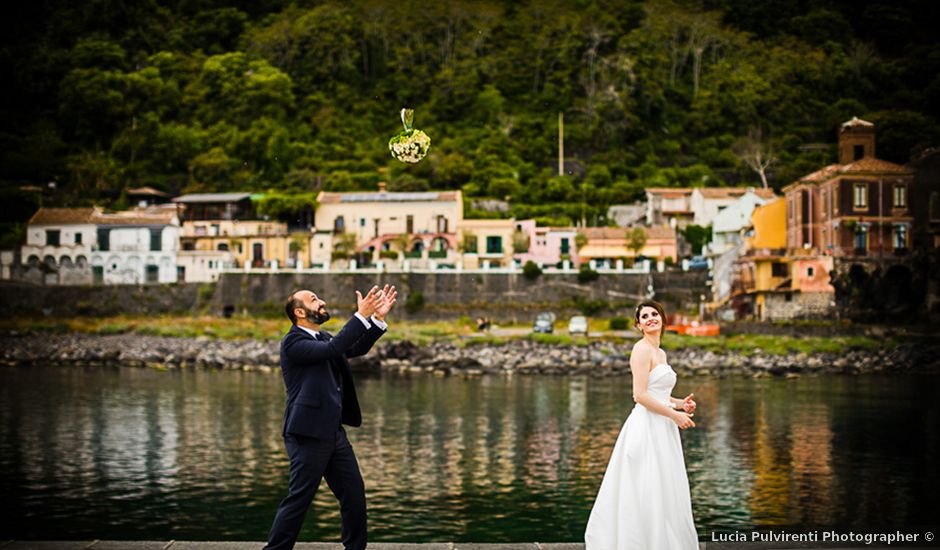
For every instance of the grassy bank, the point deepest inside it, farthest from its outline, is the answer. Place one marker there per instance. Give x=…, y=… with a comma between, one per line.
x=462, y=332
x=235, y=328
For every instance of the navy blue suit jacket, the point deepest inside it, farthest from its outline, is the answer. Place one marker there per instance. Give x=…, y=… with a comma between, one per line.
x=315, y=405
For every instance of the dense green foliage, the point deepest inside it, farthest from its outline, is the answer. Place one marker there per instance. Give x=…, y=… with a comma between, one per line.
x=296, y=96
x=697, y=236
x=531, y=270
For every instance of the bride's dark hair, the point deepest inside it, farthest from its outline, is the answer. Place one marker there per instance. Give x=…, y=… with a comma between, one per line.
x=659, y=309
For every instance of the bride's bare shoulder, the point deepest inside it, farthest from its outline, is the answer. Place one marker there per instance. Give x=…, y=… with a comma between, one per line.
x=642, y=346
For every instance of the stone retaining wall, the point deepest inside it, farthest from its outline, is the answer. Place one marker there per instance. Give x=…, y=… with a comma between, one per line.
x=504, y=297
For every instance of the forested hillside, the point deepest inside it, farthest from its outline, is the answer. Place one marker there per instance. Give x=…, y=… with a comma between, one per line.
x=290, y=97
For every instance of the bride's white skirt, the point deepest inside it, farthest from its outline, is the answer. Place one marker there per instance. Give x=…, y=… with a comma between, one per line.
x=644, y=501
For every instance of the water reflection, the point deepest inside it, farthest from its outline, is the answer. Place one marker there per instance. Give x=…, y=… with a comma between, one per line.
x=128, y=453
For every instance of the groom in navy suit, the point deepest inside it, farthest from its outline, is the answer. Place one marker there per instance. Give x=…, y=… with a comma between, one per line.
x=321, y=398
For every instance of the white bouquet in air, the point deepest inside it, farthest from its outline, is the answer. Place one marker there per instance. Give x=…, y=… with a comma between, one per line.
x=410, y=145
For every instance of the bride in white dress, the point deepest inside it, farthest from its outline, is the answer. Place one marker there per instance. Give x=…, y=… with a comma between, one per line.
x=644, y=501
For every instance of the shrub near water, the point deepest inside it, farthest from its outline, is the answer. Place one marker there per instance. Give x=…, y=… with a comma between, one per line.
x=586, y=274
x=415, y=302
x=531, y=271
x=619, y=323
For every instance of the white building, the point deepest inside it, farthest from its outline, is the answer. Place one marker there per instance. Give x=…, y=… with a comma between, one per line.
x=729, y=221
x=707, y=202
x=135, y=247
x=668, y=206
x=201, y=266
x=58, y=246
x=628, y=215
x=74, y=246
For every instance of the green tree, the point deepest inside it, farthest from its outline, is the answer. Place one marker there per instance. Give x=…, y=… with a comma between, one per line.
x=344, y=246
x=697, y=236
x=636, y=240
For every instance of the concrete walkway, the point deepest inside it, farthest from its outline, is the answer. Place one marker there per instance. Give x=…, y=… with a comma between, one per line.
x=207, y=545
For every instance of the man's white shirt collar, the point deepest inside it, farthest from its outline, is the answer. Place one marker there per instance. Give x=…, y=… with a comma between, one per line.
x=311, y=332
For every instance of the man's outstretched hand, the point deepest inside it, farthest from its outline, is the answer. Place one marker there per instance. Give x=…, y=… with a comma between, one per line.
x=366, y=305
x=386, y=299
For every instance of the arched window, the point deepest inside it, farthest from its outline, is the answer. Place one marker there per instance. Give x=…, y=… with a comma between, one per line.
x=935, y=206
x=49, y=261
x=223, y=247
x=439, y=245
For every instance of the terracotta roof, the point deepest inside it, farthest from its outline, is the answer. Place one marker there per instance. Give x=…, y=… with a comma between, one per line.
x=63, y=216
x=734, y=192
x=147, y=191
x=867, y=165
x=212, y=197
x=484, y=222
x=674, y=191
x=133, y=218
x=873, y=165
x=164, y=209
x=822, y=174
x=94, y=216
x=384, y=196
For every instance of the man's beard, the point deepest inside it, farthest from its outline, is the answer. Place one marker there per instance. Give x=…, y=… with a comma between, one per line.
x=316, y=317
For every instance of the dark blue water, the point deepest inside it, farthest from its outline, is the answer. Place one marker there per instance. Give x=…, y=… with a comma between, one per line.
x=124, y=453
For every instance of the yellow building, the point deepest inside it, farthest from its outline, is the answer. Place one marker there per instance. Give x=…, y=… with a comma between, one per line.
x=764, y=268
x=251, y=243
x=769, y=283
x=486, y=243
x=424, y=224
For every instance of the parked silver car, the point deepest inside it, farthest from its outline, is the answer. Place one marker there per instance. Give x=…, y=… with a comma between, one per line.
x=578, y=325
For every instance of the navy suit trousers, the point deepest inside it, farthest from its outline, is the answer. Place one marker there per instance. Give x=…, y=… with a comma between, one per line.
x=312, y=459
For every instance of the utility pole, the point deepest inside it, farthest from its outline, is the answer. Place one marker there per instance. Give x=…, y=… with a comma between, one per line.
x=583, y=205
x=561, y=143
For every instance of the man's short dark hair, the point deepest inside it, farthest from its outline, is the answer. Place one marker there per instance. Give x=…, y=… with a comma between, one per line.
x=293, y=302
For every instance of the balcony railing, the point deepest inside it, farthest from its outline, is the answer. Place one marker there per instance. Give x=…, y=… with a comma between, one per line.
x=413, y=254
x=437, y=254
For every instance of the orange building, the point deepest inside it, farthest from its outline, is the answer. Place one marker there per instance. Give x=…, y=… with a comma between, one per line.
x=606, y=245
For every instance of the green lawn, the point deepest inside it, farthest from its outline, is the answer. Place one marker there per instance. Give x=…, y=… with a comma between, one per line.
x=461, y=331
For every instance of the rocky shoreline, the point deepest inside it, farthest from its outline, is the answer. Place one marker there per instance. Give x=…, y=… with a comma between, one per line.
x=599, y=358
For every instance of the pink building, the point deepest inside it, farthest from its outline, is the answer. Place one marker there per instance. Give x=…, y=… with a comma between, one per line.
x=547, y=246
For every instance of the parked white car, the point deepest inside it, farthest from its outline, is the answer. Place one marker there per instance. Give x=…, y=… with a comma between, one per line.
x=578, y=325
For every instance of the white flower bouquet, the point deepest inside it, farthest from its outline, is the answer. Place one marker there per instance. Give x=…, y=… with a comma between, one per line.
x=410, y=145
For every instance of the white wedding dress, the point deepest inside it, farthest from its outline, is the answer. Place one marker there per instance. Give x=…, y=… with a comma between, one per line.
x=644, y=501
